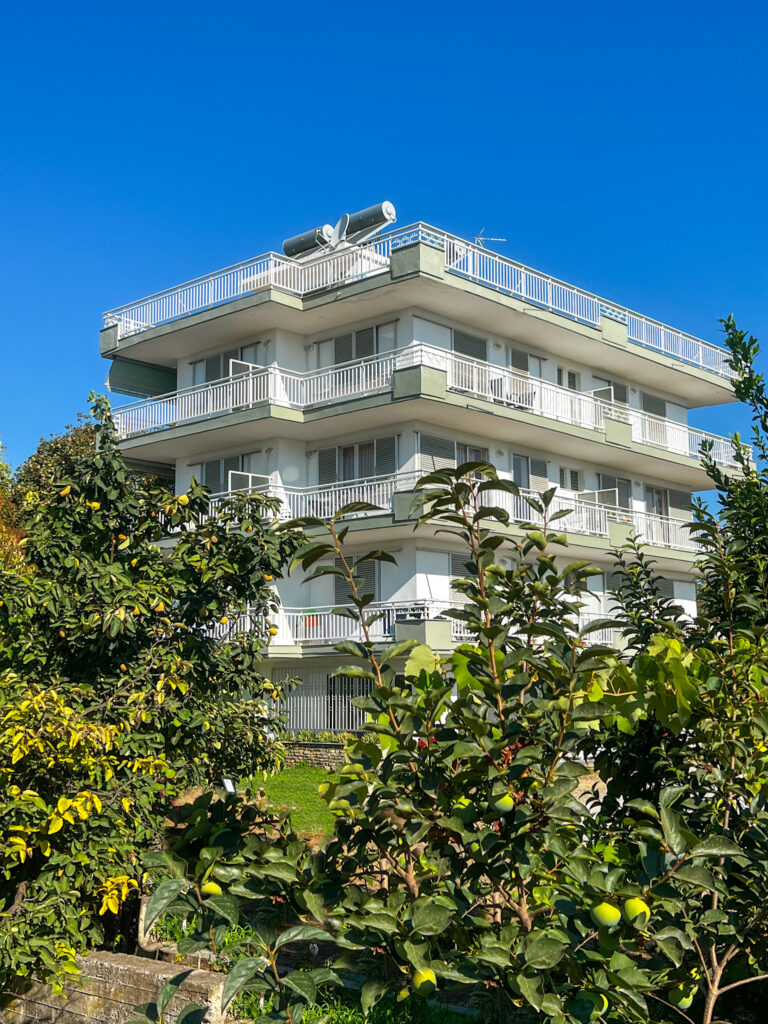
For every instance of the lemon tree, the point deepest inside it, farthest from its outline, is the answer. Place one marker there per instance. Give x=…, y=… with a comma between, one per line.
x=121, y=686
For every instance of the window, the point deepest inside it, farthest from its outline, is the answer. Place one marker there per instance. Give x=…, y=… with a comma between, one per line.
x=610, y=390
x=357, y=461
x=653, y=405
x=521, y=471
x=368, y=582
x=656, y=501
x=215, y=473
x=214, y=367
x=620, y=488
x=469, y=453
x=568, y=379
x=570, y=479
x=468, y=345
x=518, y=360
x=340, y=691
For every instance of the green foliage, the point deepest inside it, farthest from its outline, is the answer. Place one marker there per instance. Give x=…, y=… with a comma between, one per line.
x=116, y=693
x=465, y=852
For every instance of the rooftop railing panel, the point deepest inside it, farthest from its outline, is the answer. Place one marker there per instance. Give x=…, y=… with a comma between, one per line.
x=462, y=258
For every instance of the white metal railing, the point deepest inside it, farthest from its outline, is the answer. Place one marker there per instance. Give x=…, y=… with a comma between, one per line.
x=353, y=263
x=323, y=500
x=325, y=625
x=588, y=518
x=373, y=375
x=606, y=635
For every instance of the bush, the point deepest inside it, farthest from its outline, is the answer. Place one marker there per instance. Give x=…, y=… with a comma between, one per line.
x=115, y=693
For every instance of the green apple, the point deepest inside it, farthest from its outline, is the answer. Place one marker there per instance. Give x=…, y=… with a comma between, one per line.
x=463, y=809
x=211, y=889
x=504, y=804
x=636, y=912
x=681, y=996
x=424, y=982
x=605, y=915
x=595, y=1002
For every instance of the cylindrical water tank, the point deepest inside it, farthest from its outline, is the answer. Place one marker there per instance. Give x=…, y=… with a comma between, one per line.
x=374, y=216
x=301, y=244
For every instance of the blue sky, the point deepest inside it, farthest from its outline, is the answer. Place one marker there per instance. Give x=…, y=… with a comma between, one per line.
x=621, y=147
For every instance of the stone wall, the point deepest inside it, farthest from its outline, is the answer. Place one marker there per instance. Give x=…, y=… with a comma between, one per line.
x=108, y=990
x=321, y=755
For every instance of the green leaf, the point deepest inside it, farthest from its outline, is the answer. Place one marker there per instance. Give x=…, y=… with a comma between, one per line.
x=225, y=906
x=302, y=933
x=372, y=991
x=192, y=1013
x=239, y=976
x=430, y=918
x=716, y=846
x=169, y=989
x=162, y=897
x=543, y=952
x=421, y=658
x=303, y=983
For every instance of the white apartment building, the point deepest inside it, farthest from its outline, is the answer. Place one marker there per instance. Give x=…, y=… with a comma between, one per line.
x=346, y=371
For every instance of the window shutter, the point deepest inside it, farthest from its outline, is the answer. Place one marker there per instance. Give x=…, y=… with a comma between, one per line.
x=212, y=368
x=326, y=466
x=607, y=482
x=539, y=474
x=613, y=581
x=666, y=589
x=212, y=475
x=225, y=360
x=620, y=393
x=386, y=462
x=230, y=465
x=679, y=502
x=342, y=347
x=574, y=477
x=459, y=565
x=518, y=360
x=653, y=405
x=367, y=585
x=467, y=345
x=573, y=381
x=364, y=343
x=437, y=452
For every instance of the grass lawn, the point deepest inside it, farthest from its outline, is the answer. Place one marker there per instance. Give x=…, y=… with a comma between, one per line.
x=295, y=789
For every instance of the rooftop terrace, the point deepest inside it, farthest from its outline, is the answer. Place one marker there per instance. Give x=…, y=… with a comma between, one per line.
x=315, y=274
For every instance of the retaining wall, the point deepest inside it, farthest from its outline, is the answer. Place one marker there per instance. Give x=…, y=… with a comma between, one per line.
x=108, y=990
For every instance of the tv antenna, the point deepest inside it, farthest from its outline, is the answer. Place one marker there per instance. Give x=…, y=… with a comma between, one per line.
x=482, y=238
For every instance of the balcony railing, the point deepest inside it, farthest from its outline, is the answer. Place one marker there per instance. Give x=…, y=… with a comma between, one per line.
x=325, y=626
x=255, y=385
x=460, y=258
x=585, y=517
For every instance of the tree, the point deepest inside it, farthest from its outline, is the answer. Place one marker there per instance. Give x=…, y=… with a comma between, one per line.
x=461, y=854
x=116, y=692
x=9, y=534
x=705, y=684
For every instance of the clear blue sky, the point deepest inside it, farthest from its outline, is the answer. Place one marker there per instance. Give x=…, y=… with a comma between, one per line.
x=621, y=147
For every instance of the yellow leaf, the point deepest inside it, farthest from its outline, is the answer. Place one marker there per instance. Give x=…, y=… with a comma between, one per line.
x=56, y=825
x=96, y=803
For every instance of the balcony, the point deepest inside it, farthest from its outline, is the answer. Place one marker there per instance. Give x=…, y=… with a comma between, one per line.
x=326, y=625
x=256, y=386
x=585, y=518
x=459, y=257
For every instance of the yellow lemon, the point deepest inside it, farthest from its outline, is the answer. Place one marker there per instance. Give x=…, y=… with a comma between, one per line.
x=273, y=630
x=424, y=982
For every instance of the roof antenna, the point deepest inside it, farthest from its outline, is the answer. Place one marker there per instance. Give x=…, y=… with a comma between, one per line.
x=482, y=238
